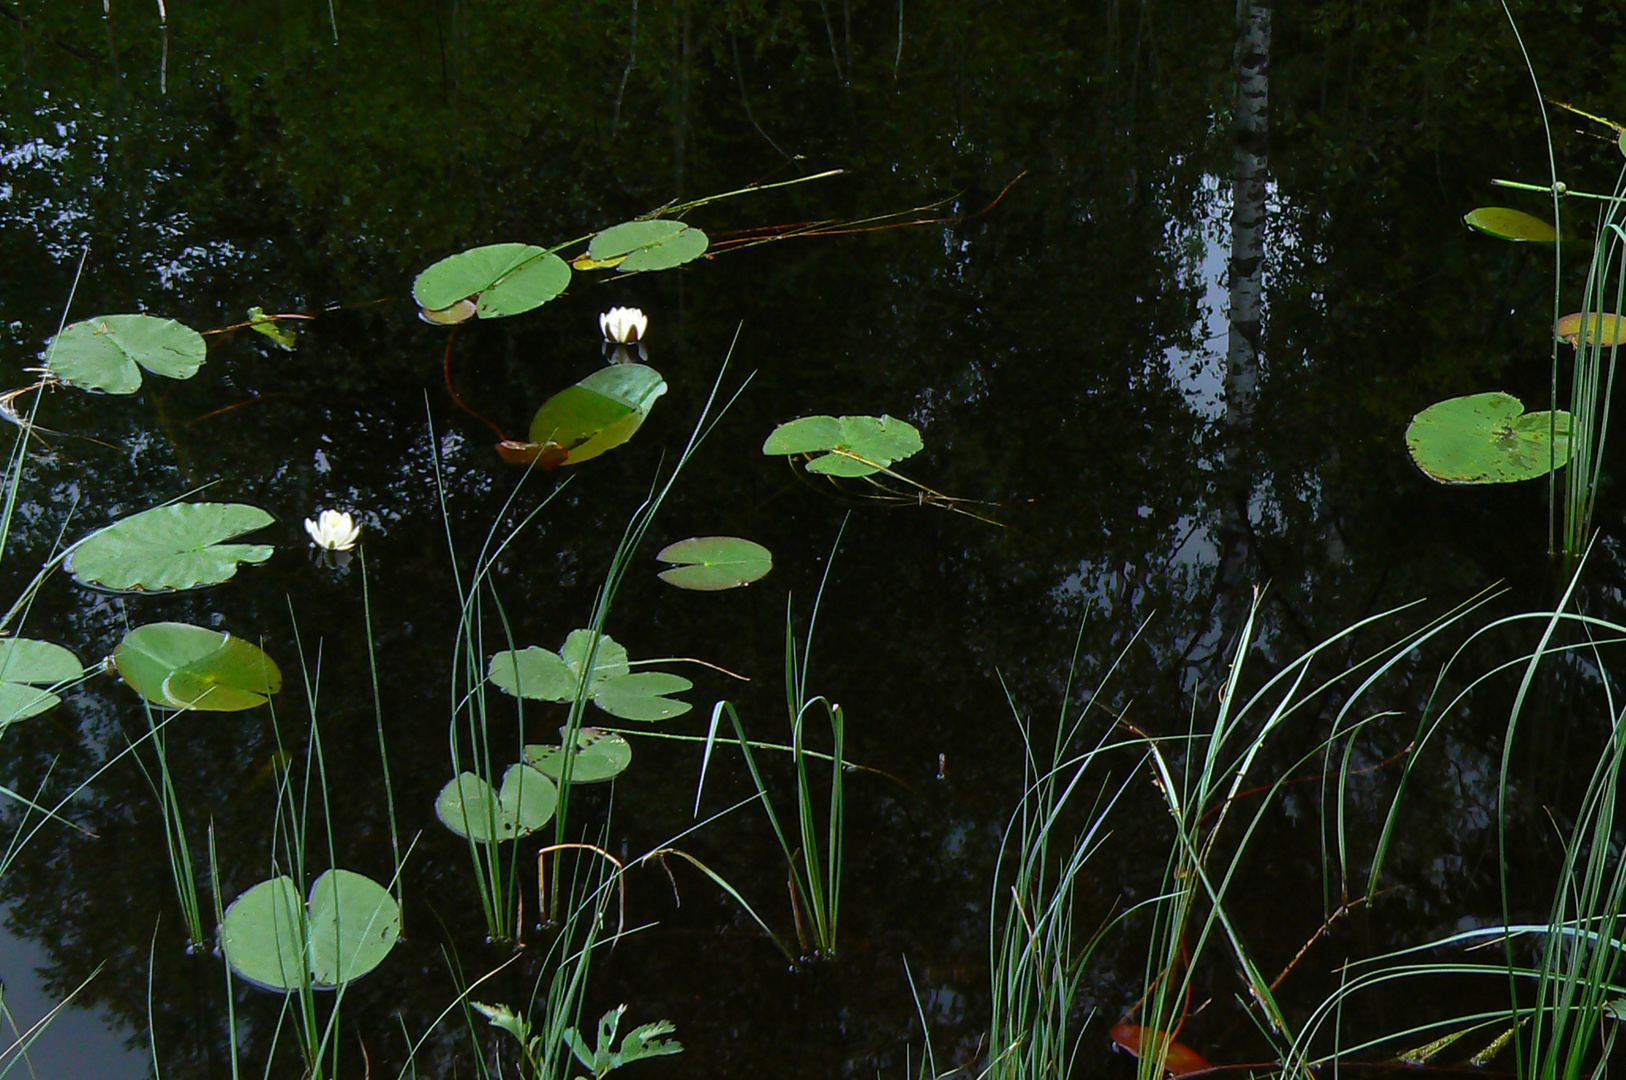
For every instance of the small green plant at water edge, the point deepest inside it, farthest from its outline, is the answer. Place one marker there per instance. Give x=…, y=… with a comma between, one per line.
x=604, y=1056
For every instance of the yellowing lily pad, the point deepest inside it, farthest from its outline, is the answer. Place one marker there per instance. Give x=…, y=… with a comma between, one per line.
x=1487, y=439
x=1506, y=224
x=1602, y=329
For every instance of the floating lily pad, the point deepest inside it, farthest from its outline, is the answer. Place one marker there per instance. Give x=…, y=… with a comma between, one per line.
x=170, y=547
x=274, y=940
x=180, y=666
x=501, y=280
x=533, y=673
x=600, y=755
x=1487, y=439
x=469, y=807
x=714, y=563
x=25, y=667
x=284, y=336
x=609, y=661
x=103, y=353
x=599, y=413
x=641, y=696
x=1602, y=329
x=1505, y=224
x=656, y=244
x=846, y=445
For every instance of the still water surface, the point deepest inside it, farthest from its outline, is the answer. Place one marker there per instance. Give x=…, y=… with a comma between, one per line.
x=1061, y=349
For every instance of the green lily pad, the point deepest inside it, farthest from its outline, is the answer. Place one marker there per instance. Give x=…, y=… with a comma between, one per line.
x=655, y=244
x=180, y=666
x=714, y=563
x=103, y=353
x=170, y=547
x=469, y=807
x=642, y=696
x=285, y=337
x=846, y=445
x=1505, y=224
x=609, y=661
x=273, y=940
x=501, y=279
x=599, y=413
x=600, y=755
x=1487, y=439
x=533, y=673
x=26, y=666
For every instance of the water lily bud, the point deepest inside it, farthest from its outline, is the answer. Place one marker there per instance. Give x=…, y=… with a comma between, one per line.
x=333, y=530
x=623, y=325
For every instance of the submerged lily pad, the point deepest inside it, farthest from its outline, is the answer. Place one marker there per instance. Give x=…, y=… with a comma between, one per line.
x=1602, y=329
x=600, y=755
x=500, y=279
x=1487, y=439
x=599, y=413
x=285, y=337
x=714, y=563
x=170, y=547
x=103, y=353
x=846, y=445
x=274, y=940
x=26, y=666
x=470, y=807
x=180, y=666
x=1506, y=224
x=655, y=244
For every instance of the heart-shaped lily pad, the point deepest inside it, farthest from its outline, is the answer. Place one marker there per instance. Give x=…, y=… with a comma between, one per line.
x=846, y=445
x=180, y=666
x=274, y=940
x=500, y=279
x=600, y=755
x=714, y=563
x=470, y=807
x=1505, y=224
x=179, y=546
x=642, y=696
x=103, y=353
x=25, y=667
x=1487, y=439
x=654, y=244
x=538, y=675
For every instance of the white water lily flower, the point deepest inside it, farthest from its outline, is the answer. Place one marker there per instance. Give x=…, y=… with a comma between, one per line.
x=623, y=325
x=333, y=530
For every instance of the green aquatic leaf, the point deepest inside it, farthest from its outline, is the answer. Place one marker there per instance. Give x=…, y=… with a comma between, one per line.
x=178, y=546
x=470, y=807
x=274, y=940
x=654, y=244
x=26, y=666
x=1487, y=439
x=501, y=279
x=283, y=336
x=180, y=666
x=103, y=353
x=846, y=445
x=1505, y=224
x=599, y=413
x=642, y=696
x=608, y=662
x=600, y=755
x=713, y=563
x=533, y=673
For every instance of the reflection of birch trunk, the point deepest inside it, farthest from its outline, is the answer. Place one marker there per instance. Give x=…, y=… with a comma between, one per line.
x=1249, y=167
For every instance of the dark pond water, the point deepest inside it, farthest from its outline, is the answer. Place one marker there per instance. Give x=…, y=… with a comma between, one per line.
x=1063, y=354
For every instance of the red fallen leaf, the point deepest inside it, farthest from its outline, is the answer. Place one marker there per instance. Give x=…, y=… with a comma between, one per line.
x=1180, y=1059
x=548, y=455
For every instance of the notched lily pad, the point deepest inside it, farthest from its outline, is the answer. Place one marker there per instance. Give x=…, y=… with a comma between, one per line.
x=654, y=244
x=600, y=755
x=27, y=667
x=538, y=675
x=714, y=563
x=599, y=413
x=1506, y=224
x=846, y=445
x=106, y=353
x=180, y=546
x=1487, y=439
x=276, y=941
x=642, y=696
x=180, y=666
x=1601, y=329
x=470, y=807
x=498, y=279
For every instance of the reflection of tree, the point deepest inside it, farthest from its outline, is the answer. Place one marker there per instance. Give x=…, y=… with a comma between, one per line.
x=1028, y=344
